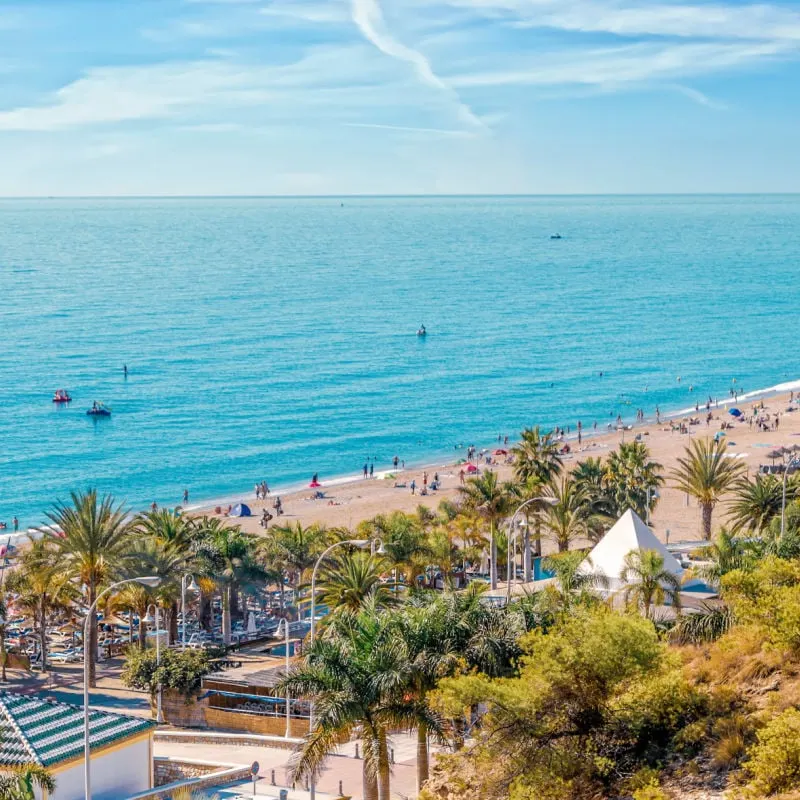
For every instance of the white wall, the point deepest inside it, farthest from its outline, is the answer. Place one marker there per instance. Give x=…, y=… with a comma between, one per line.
x=115, y=775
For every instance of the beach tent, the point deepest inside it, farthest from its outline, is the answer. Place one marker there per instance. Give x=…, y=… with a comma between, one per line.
x=629, y=532
x=470, y=468
x=734, y=412
x=240, y=510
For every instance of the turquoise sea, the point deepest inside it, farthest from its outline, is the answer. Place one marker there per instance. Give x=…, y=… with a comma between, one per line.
x=274, y=338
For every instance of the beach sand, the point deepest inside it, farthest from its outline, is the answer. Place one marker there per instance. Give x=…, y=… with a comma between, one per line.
x=348, y=503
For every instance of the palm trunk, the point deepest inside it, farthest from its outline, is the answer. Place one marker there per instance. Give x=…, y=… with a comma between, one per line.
x=706, y=509
x=384, y=788
x=90, y=647
x=226, y=614
x=173, y=622
x=142, y=632
x=43, y=633
x=369, y=782
x=422, y=755
x=204, y=613
x=492, y=557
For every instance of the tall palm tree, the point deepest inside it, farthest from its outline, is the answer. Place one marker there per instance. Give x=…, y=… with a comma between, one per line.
x=533, y=491
x=647, y=582
x=756, y=503
x=354, y=679
x=630, y=480
x=536, y=456
x=297, y=548
x=228, y=555
x=485, y=495
x=93, y=546
x=706, y=473
x=43, y=589
x=352, y=579
x=567, y=517
x=404, y=539
x=430, y=652
x=21, y=783
x=589, y=476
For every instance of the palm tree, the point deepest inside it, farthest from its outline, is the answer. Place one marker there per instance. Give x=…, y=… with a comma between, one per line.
x=296, y=547
x=20, y=783
x=589, y=476
x=533, y=492
x=404, y=539
x=706, y=473
x=92, y=546
x=536, y=456
x=727, y=553
x=647, y=582
x=484, y=495
x=43, y=589
x=630, y=480
x=228, y=555
x=574, y=585
x=756, y=503
x=353, y=579
x=430, y=639
x=353, y=679
x=567, y=516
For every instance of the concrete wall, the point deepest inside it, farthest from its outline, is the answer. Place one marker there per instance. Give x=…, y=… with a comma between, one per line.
x=220, y=776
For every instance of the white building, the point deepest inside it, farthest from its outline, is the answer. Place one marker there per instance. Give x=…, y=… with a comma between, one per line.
x=50, y=734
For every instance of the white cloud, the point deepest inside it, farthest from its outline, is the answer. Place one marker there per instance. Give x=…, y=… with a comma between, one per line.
x=368, y=16
x=624, y=65
x=631, y=18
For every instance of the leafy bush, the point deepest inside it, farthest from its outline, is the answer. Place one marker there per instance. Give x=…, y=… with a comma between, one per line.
x=775, y=758
x=180, y=670
x=649, y=793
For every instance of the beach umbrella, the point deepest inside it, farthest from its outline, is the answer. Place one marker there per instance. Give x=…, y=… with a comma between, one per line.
x=471, y=468
x=501, y=452
x=734, y=412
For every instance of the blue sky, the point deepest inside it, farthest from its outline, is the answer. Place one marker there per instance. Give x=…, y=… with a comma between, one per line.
x=398, y=96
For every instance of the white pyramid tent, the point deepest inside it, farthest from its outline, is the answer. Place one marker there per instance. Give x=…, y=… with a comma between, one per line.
x=628, y=533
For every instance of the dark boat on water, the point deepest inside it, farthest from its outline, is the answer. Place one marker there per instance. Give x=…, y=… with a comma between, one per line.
x=98, y=410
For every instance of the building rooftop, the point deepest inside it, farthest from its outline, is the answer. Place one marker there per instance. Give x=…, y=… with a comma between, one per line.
x=46, y=732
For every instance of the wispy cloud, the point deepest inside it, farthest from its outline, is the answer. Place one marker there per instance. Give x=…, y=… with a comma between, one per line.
x=623, y=65
x=410, y=129
x=699, y=97
x=640, y=18
x=368, y=16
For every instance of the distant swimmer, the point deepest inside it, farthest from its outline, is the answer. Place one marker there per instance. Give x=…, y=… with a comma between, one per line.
x=679, y=378
x=125, y=370
x=600, y=374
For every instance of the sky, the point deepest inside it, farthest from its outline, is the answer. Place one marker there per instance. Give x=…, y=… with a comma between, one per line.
x=264, y=97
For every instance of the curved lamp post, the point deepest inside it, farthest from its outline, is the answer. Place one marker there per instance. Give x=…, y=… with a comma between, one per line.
x=377, y=548
x=151, y=581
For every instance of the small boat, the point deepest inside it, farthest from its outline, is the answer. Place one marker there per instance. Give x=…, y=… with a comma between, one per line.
x=98, y=410
x=61, y=396
x=421, y=331
x=556, y=236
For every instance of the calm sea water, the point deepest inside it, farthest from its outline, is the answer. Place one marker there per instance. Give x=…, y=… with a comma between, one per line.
x=273, y=338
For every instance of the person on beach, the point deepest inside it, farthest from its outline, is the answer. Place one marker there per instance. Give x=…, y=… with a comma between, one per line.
x=154, y=507
x=424, y=480
x=15, y=523
x=413, y=486
x=264, y=489
x=278, y=506
x=258, y=491
x=371, y=469
x=185, y=496
x=395, y=461
x=461, y=477
x=366, y=470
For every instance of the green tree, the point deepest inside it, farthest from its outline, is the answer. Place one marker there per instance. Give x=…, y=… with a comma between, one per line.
x=589, y=476
x=296, y=547
x=352, y=580
x=567, y=517
x=486, y=496
x=574, y=584
x=647, y=582
x=756, y=503
x=93, y=547
x=631, y=480
x=706, y=473
x=21, y=783
x=727, y=553
x=181, y=671
x=43, y=589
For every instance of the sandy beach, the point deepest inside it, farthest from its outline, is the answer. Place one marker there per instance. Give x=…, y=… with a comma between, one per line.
x=676, y=517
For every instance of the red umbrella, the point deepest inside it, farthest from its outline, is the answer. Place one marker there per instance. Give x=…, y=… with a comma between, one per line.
x=470, y=468
x=501, y=452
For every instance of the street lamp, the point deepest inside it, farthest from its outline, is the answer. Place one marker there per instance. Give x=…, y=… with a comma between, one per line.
x=284, y=623
x=151, y=581
x=192, y=587
x=149, y=620
x=352, y=543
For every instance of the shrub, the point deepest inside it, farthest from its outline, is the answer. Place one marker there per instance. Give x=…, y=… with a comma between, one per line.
x=651, y=792
x=775, y=758
x=180, y=670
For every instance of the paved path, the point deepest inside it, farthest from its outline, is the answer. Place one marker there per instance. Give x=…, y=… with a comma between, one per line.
x=343, y=767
